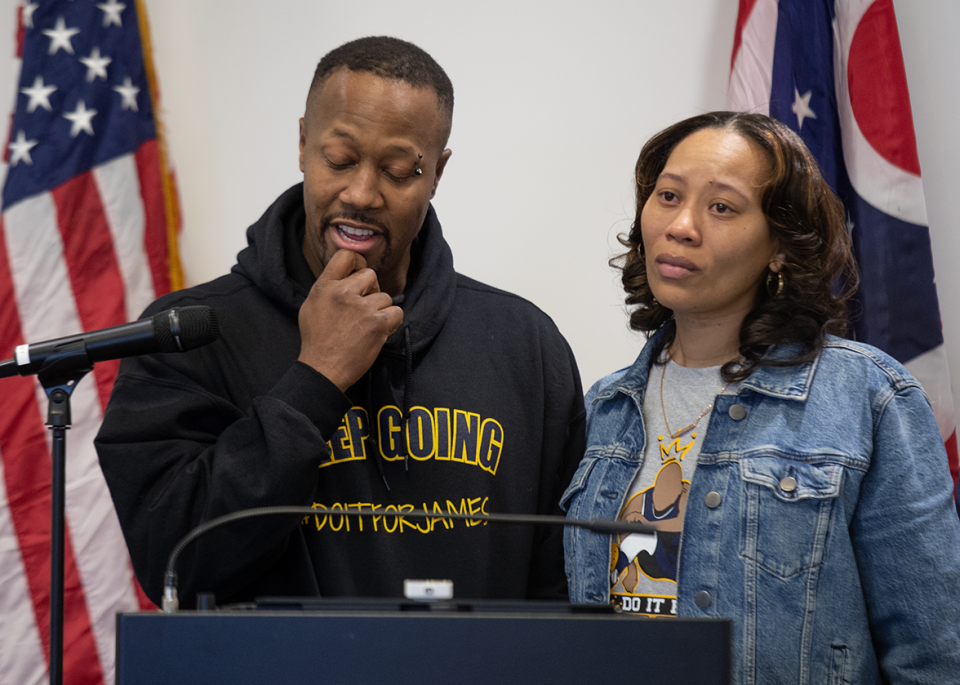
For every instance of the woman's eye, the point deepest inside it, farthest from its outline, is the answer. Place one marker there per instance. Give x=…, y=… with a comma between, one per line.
x=722, y=208
x=667, y=196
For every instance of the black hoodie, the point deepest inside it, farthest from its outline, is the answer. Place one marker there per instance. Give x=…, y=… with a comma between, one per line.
x=495, y=425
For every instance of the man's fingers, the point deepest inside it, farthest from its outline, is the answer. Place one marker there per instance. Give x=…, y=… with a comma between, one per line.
x=351, y=268
x=380, y=301
x=393, y=317
x=389, y=313
x=342, y=264
x=366, y=281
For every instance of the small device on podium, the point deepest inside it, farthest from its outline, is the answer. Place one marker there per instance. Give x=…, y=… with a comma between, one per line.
x=428, y=590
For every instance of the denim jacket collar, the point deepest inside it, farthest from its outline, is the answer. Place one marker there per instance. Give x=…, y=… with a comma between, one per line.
x=789, y=383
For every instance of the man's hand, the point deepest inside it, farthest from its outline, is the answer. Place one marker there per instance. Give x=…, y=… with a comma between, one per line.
x=345, y=320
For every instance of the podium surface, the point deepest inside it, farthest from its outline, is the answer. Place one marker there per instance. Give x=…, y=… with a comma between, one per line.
x=462, y=647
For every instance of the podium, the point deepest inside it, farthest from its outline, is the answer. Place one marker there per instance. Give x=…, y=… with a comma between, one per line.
x=479, y=643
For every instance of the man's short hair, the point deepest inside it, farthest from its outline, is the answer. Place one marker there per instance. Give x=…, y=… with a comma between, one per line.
x=390, y=58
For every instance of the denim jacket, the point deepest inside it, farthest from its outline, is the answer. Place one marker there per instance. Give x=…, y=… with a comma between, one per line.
x=835, y=545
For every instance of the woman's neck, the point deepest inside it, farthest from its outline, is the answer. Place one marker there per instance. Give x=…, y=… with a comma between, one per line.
x=699, y=343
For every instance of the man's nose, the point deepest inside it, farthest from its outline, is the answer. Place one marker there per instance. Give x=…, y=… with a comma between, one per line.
x=363, y=188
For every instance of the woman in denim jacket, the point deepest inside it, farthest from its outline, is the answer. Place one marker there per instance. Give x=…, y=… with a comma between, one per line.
x=820, y=518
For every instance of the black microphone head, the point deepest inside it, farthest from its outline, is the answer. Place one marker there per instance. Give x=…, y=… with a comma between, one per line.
x=185, y=328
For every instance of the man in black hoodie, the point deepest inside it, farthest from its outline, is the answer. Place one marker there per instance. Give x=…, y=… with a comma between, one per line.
x=355, y=369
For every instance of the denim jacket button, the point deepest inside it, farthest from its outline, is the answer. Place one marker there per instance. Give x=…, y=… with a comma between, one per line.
x=703, y=599
x=737, y=412
x=713, y=499
x=788, y=484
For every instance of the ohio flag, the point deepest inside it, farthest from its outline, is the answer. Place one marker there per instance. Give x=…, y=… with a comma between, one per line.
x=87, y=239
x=832, y=70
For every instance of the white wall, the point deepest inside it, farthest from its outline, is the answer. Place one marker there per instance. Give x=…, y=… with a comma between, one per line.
x=553, y=101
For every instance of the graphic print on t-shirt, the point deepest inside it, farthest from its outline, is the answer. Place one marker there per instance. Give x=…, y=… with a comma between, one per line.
x=643, y=574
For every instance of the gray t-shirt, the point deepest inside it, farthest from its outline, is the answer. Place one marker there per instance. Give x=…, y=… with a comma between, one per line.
x=643, y=574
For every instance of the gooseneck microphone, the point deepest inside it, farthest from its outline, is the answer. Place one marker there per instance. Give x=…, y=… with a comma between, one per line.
x=174, y=330
x=170, y=602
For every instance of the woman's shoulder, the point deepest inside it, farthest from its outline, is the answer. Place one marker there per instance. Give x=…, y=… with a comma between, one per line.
x=849, y=357
x=629, y=379
x=609, y=381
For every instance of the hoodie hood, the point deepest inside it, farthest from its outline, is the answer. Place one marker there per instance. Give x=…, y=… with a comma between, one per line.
x=273, y=260
x=268, y=260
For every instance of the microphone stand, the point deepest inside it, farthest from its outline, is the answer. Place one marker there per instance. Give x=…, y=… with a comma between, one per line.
x=63, y=363
x=59, y=376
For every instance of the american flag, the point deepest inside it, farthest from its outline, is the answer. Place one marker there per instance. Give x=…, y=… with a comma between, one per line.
x=87, y=239
x=832, y=70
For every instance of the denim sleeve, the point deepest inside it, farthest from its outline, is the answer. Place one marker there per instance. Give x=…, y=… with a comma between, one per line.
x=906, y=536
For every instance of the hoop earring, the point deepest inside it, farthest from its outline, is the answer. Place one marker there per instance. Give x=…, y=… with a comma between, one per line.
x=774, y=295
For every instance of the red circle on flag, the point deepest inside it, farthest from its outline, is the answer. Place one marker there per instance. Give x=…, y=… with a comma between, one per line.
x=878, y=88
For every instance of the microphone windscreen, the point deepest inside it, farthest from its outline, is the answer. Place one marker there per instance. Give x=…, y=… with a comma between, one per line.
x=198, y=327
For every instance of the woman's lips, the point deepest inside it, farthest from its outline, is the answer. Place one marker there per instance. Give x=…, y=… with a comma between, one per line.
x=673, y=266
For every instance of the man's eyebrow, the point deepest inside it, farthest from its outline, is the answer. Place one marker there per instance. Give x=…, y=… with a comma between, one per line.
x=395, y=147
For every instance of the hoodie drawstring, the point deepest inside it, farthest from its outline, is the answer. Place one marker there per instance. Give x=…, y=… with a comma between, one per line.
x=407, y=406
x=408, y=350
x=376, y=446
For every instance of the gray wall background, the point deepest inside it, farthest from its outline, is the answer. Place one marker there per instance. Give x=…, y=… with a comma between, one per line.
x=553, y=102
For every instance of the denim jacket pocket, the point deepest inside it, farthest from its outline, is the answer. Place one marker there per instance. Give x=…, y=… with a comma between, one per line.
x=787, y=511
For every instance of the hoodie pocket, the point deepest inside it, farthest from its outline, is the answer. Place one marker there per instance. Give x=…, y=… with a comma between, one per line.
x=788, y=506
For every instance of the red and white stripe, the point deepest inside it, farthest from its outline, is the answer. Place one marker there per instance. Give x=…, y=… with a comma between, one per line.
x=751, y=67
x=93, y=275
x=89, y=254
x=895, y=189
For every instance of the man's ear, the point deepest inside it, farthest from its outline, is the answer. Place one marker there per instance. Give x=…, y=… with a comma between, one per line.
x=441, y=163
x=303, y=141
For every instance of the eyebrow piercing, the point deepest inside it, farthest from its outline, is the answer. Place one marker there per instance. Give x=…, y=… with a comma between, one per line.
x=417, y=170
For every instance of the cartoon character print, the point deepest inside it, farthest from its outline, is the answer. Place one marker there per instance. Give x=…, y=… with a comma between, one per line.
x=660, y=506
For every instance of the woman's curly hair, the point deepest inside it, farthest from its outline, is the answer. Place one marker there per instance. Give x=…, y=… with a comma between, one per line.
x=805, y=217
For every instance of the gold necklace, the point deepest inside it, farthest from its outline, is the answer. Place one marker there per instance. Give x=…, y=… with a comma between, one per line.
x=663, y=408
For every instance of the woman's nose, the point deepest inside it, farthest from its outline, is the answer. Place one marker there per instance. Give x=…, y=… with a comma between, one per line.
x=684, y=227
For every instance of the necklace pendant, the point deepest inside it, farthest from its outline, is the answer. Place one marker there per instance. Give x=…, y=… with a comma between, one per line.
x=663, y=408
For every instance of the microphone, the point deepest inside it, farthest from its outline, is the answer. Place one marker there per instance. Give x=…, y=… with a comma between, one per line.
x=170, y=602
x=174, y=330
